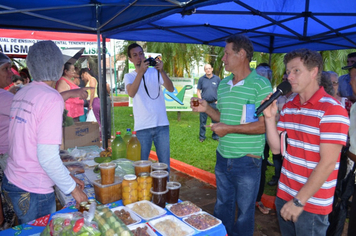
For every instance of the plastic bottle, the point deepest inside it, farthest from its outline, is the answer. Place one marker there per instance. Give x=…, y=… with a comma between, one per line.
x=134, y=148
x=118, y=147
x=127, y=136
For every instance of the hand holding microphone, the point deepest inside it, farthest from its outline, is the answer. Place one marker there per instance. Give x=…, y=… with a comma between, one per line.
x=282, y=89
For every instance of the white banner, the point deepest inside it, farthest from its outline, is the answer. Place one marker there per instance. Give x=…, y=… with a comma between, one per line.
x=21, y=46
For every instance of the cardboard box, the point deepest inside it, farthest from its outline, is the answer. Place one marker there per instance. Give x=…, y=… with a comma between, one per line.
x=81, y=134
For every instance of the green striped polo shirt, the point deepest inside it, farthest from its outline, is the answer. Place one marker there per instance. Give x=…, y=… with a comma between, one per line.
x=252, y=90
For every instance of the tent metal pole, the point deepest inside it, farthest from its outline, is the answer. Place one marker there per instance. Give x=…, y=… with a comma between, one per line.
x=271, y=43
x=104, y=101
x=111, y=96
x=306, y=18
x=102, y=84
x=119, y=13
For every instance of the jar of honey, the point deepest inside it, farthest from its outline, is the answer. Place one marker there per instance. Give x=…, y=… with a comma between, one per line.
x=129, y=189
x=82, y=206
x=144, y=181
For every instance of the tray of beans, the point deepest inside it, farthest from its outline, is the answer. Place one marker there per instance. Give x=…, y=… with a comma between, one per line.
x=142, y=230
x=202, y=221
x=126, y=215
x=182, y=209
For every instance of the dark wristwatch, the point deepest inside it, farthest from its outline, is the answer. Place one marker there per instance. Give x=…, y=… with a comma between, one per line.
x=297, y=202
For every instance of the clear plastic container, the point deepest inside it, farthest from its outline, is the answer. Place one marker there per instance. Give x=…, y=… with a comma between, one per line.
x=107, y=193
x=107, y=172
x=142, y=166
x=159, y=166
x=129, y=189
x=159, y=198
x=173, y=192
x=159, y=178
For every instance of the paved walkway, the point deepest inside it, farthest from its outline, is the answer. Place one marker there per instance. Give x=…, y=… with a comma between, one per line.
x=204, y=196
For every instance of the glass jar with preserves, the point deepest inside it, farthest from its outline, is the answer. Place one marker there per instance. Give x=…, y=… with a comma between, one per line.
x=129, y=189
x=144, y=181
x=82, y=206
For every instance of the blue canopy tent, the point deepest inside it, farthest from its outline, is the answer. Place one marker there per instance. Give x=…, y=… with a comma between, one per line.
x=273, y=25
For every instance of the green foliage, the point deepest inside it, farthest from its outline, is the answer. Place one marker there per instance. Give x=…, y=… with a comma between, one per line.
x=335, y=60
x=67, y=121
x=178, y=58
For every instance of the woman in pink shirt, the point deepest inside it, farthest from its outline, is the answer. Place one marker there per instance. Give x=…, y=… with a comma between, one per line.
x=35, y=133
x=74, y=106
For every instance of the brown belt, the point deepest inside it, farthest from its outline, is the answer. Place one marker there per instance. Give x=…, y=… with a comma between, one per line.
x=254, y=156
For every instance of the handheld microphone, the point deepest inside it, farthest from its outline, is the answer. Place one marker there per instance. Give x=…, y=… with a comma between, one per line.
x=282, y=89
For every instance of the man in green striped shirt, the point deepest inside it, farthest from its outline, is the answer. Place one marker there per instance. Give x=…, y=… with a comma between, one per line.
x=238, y=156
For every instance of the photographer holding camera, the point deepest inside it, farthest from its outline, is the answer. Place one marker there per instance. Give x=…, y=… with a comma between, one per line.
x=144, y=86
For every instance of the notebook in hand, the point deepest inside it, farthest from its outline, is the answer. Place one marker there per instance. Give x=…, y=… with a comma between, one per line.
x=248, y=114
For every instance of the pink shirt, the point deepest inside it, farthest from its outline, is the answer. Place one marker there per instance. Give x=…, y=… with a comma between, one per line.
x=5, y=104
x=35, y=118
x=74, y=106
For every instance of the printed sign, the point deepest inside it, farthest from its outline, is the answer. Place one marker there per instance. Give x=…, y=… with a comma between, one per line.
x=21, y=46
x=179, y=99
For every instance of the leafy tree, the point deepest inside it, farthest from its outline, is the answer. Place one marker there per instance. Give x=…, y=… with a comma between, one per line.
x=179, y=59
x=334, y=60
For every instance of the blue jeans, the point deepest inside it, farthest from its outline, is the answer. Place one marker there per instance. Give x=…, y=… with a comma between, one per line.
x=237, y=182
x=203, y=119
x=160, y=137
x=28, y=206
x=308, y=223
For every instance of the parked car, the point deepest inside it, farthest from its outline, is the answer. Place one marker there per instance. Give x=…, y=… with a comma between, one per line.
x=120, y=87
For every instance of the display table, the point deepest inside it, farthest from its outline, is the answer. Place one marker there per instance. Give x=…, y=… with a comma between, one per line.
x=37, y=226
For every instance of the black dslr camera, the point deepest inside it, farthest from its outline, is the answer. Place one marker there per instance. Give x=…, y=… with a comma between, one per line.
x=152, y=61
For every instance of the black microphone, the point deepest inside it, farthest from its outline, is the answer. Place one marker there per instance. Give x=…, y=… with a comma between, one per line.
x=282, y=89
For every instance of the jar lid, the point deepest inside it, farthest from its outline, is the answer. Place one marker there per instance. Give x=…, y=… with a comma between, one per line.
x=144, y=174
x=173, y=185
x=159, y=174
x=159, y=165
x=142, y=163
x=130, y=177
x=158, y=193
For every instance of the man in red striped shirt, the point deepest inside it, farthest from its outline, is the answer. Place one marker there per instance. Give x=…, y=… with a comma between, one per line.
x=316, y=127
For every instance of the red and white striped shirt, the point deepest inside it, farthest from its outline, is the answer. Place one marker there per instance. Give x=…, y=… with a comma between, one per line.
x=321, y=119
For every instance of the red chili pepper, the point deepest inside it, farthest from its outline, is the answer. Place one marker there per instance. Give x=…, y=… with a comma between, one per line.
x=66, y=222
x=78, y=225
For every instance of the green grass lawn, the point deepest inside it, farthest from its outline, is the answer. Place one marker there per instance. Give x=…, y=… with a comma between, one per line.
x=184, y=140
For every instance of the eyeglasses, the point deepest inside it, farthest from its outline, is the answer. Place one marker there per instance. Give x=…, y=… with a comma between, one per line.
x=335, y=82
